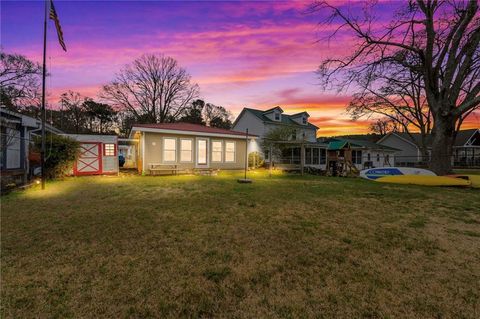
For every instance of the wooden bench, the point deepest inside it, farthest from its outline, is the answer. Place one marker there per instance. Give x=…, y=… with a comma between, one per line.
x=159, y=168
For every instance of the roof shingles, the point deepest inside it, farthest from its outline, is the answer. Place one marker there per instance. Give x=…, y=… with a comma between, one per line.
x=284, y=119
x=190, y=127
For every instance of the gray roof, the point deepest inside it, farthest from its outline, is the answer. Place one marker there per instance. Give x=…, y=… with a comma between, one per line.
x=356, y=142
x=284, y=119
x=462, y=137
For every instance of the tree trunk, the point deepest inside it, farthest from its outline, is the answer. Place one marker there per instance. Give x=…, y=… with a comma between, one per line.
x=442, y=143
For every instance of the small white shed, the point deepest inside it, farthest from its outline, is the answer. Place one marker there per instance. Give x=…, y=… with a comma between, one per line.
x=98, y=154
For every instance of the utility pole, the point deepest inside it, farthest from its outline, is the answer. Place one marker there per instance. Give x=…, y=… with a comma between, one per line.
x=44, y=114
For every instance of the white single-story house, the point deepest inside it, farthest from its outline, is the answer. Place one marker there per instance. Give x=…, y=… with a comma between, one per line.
x=98, y=154
x=466, y=148
x=173, y=147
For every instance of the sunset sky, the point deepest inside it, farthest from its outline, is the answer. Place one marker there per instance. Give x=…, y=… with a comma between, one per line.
x=255, y=54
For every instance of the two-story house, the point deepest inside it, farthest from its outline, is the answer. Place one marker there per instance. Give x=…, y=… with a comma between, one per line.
x=304, y=134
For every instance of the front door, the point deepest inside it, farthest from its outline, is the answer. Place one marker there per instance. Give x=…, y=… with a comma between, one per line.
x=202, y=153
x=90, y=160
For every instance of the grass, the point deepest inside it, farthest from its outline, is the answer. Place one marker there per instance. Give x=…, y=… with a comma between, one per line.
x=282, y=247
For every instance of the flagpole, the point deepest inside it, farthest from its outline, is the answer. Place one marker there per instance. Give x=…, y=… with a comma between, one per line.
x=44, y=114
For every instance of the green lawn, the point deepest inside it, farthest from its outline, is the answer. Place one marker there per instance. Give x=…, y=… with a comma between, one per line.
x=282, y=247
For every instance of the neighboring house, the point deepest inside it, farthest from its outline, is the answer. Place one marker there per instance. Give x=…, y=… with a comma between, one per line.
x=98, y=154
x=360, y=153
x=17, y=162
x=260, y=123
x=188, y=147
x=466, y=148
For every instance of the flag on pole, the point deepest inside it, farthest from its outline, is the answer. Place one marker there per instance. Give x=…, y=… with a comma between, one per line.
x=54, y=17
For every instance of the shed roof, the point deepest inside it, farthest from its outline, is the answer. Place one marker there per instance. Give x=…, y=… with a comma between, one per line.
x=337, y=143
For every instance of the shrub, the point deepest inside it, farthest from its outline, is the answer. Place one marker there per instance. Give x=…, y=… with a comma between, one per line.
x=61, y=153
x=255, y=160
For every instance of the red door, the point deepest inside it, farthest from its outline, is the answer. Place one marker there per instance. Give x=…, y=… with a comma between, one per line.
x=90, y=160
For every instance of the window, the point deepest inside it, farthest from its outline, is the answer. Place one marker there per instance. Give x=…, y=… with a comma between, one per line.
x=277, y=116
x=316, y=155
x=304, y=120
x=308, y=156
x=169, y=149
x=217, y=151
x=378, y=157
x=369, y=157
x=109, y=149
x=229, y=151
x=323, y=156
x=356, y=157
x=186, y=150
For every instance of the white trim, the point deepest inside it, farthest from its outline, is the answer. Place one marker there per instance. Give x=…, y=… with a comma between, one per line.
x=221, y=150
x=468, y=140
x=191, y=151
x=234, y=152
x=194, y=133
x=207, y=140
x=163, y=149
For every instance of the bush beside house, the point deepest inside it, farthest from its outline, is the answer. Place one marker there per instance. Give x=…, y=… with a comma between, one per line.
x=61, y=154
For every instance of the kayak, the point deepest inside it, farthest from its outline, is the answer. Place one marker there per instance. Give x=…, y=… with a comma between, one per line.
x=424, y=180
x=374, y=173
x=474, y=179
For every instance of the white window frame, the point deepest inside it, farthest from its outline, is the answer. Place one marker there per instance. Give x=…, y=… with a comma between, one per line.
x=234, y=152
x=191, y=150
x=221, y=151
x=163, y=149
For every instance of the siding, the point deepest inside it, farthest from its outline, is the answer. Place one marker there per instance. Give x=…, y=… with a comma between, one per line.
x=408, y=153
x=154, y=151
x=254, y=124
x=13, y=158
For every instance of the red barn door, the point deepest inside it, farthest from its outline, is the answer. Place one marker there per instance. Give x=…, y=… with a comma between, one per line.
x=90, y=159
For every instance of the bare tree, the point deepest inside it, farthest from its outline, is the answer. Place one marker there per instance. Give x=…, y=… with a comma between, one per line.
x=399, y=98
x=19, y=81
x=438, y=40
x=153, y=88
x=73, y=108
x=217, y=116
x=383, y=126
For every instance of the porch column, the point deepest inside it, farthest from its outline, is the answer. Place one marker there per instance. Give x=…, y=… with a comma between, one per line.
x=302, y=157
